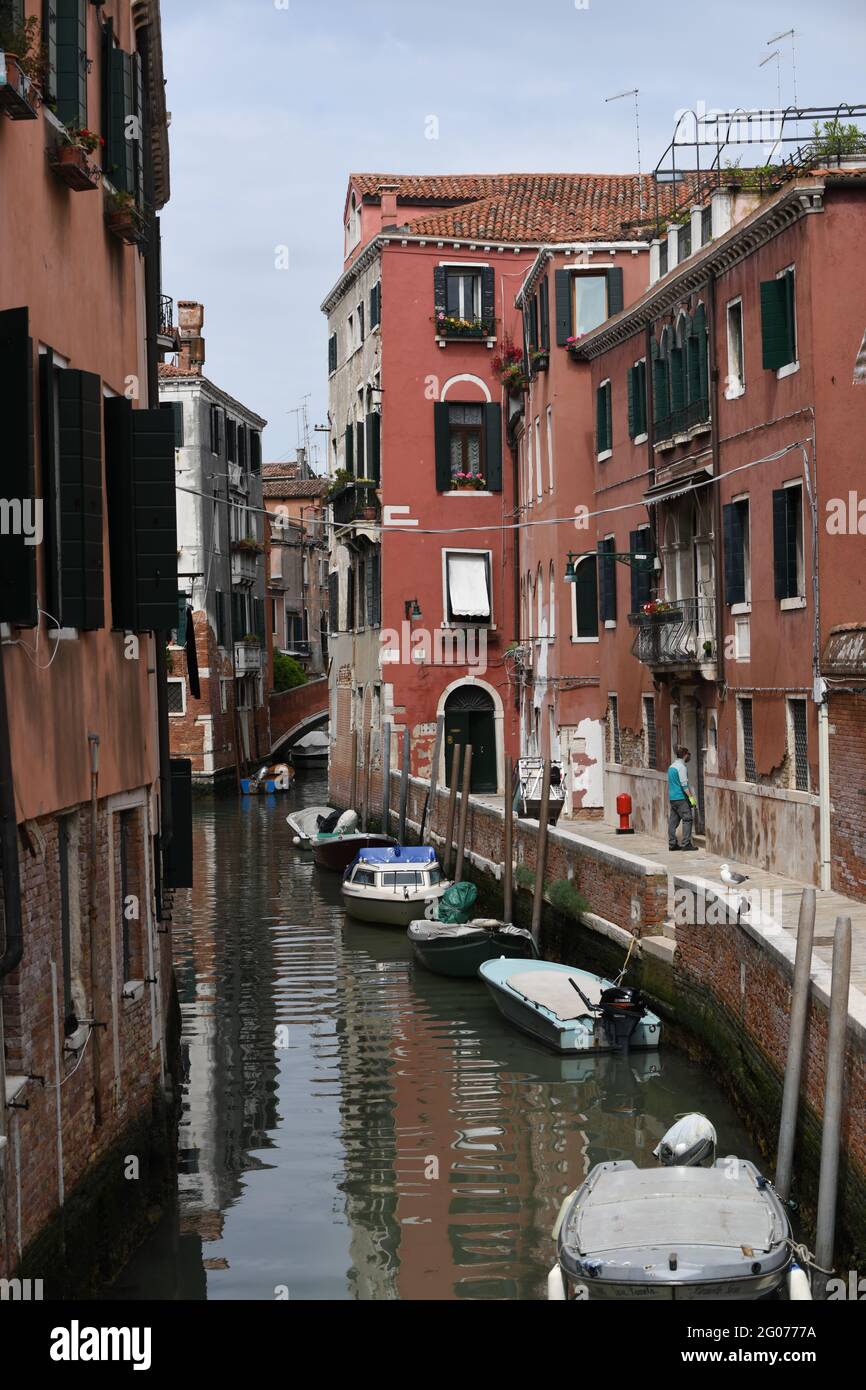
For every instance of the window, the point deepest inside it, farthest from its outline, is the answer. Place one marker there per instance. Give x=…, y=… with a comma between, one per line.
x=649, y=727
x=706, y=225
x=224, y=695
x=736, y=382
x=232, y=441
x=462, y=294
x=590, y=302
x=544, y=310
x=216, y=439
x=466, y=431
x=779, y=323
x=332, y=354
x=798, y=743
x=360, y=322
x=735, y=528
x=747, y=743
x=65, y=32
x=255, y=451
x=550, y=448
x=176, y=408
x=538, y=485
x=242, y=446
x=636, y=383
x=67, y=849
x=607, y=579
x=350, y=598
x=663, y=257
x=585, y=611
x=176, y=696
x=376, y=305
x=684, y=241
x=642, y=567
x=130, y=896
x=614, y=745
x=467, y=587
x=603, y=421
x=788, y=542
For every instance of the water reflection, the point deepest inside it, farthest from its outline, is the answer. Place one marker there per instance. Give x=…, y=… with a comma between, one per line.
x=354, y=1127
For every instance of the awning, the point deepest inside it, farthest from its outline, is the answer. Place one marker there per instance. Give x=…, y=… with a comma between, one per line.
x=669, y=492
x=468, y=589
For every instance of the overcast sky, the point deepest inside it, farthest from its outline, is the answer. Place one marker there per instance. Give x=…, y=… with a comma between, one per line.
x=274, y=102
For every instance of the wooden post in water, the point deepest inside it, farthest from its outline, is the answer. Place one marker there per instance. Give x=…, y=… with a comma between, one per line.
x=386, y=781
x=508, y=846
x=430, y=802
x=452, y=802
x=353, y=779
x=541, y=854
x=796, y=1034
x=834, y=1086
x=368, y=758
x=464, y=810
x=404, y=785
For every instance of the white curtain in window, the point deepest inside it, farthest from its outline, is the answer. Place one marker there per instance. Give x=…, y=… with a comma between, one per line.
x=468, y=591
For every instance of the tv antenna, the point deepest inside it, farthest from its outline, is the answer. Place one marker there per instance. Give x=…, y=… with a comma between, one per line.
x=777, y=54
x=788, y=34
x=633, y=92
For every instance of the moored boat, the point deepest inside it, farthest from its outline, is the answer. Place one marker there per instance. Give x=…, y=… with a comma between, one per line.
x=460, y=949
x=304, y=824
x=568, y=1009
x=393, y=885
x=311, y=750
x=336, y=851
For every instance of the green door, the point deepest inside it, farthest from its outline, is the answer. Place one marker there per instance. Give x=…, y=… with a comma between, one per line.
x=477, y=727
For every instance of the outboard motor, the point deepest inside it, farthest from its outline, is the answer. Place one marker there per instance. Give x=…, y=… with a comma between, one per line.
x=621, y=1010
x=690, y=1143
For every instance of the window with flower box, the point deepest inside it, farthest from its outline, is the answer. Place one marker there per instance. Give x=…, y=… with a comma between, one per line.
x=465, y=305
x=584, y=299
x=468, y=438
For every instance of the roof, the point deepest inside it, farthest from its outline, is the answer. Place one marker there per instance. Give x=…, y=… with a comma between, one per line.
x=527, y=207
x=167, y=372
x=278, y=481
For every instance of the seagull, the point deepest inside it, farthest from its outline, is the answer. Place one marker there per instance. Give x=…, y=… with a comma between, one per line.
x=729, y=877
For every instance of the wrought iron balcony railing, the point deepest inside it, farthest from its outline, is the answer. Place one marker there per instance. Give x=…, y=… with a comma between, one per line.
x=355, y=502
x=166, y=314
x=682, y=635
x=682, y=420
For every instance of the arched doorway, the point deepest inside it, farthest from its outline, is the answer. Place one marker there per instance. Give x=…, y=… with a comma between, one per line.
x=470, y=718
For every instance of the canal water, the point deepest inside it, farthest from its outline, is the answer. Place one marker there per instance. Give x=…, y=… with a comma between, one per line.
x=353, y=1127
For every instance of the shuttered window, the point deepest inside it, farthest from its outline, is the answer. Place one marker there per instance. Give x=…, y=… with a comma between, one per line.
x=636, y=384
x=607, y=580
x=375, y=305
x=142, y=518
x=216, y=439
x=564, y=307
x=788, y=542
x=334, y=601
x=642, y=576
x=349, y=463
x=78, y=501
x=332, y=354
x=778, y=322
x=735, y=528
x=255, y=451
x=232, y=441
x=468, y=439
x=178, y=859
x=586, y=599
x=373, y=446
x=603, y=419
x=661, y=393
x=18, y=600
x=544, y=310
x=176, y=409
x=70, y=59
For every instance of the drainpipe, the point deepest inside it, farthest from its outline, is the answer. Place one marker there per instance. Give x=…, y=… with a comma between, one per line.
x=93, y=907
x=824, y=789
x=713, y=374
x=14, y=948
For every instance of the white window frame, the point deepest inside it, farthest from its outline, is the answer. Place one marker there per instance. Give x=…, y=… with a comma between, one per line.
x=791, y=367
x=457, y=624
x=605, y=453
x=738, y=609
x=538, y=482
x=639, y=438
x=736, y=382
x=181, y=681
x=798, y=600
x=587, y=271
x=550, y=448
x=473, y=268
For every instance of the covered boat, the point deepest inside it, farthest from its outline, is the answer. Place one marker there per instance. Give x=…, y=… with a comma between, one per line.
x=391, y=886
x=459, y=949
x=568, y=1009
x=334, y=848
x=306, y=823
x=311, y=750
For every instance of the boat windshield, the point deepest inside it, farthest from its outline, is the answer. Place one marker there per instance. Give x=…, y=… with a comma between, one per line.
x=365, y=876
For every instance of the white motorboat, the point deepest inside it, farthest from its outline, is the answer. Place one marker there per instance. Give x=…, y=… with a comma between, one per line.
x=391, y=886
x=304, y=824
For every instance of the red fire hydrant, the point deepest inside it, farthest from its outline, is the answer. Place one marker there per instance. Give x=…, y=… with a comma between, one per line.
x=623, y=810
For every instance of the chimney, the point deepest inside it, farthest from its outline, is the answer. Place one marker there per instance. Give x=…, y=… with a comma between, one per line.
x=190, y=323
x=388, y=196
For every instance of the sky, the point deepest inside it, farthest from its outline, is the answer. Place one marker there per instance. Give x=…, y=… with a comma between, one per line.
x=275, y=102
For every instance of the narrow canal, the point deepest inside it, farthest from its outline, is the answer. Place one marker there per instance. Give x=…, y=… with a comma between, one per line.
x=354, y=1128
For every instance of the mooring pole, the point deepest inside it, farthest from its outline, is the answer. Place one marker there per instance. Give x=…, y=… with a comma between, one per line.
x=796, y=1036
x=404, y=785
x=452, y=803
x=353, y=778
x=508, y=844
x=541, y=854
x=368, y=757
x=430, y=802
x=386, y=780
x=464, y=810
x=834, y=1083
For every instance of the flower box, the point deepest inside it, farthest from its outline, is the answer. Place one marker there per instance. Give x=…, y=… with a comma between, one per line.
x=468, y=483
x=449, y=327
x=18, y=95
x=125, y=223
x=72, y=166
x=540, y=361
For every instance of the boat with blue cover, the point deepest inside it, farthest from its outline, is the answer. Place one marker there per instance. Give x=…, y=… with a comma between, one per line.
x=392, y=885
x=568, y=1009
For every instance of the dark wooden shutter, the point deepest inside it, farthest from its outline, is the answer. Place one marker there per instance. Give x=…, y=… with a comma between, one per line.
x=443, y=446
x=607, y=581
x=544, y=301
x=120, y=152
x=80, y=500
x=564, y=307
x=120, y=495
x=70, y=75
x=602, y=416
x=440, y=290
x=178, y=855
x=776, y=330
x=586, y=597
x=334, y=601
x=780, y=542
x=642, y=579
x=255, y=451
x=374, y=568
x=176, y=408
x=374, y=432
x=614, y=290
x=50, y=480
x=361, y=321
x=49, y=40
x=359, y=450
x=488, y=297
x=677, y=379
x=350, y=449
x=332, y=354
x=493, y=447
x=18, y=599
x=242, y=446
x=137, y=109
x=632, y=388
x=699, y=336
x=633, y=545
x=735, y=573
x=155, y=520
x=375, y=311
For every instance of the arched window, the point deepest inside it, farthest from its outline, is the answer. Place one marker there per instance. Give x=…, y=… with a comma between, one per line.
x=539, y=597
x=552, y=618
x=698, y=367
x=585, y=600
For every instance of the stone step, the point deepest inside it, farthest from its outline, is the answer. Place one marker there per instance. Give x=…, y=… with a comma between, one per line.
x=669, y=929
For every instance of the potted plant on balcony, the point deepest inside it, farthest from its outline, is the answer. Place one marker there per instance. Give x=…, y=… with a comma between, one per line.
x=572, y=344
x=70, y=160
x=450, y=326
x=251, y=639
x=367, y=509
x=123, y=217
x=341, y=479
x=539, y=359
x=24, y=66
x=467, y=482
x=248, y=545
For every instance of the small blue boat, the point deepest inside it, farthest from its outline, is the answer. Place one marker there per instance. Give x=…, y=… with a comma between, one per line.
x=570, y=1010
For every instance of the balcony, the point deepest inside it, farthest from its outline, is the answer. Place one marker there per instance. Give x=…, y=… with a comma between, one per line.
x=244, y=566
x=248, y=658
x=679, y=638
x=167, y=336
x=690, y=419
x=356, y=502
x=18, y=96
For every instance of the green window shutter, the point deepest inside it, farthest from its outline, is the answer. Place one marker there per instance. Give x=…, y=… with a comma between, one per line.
x=359, y=450
x=49, y=39
x=601, y=442
x=492, y=447
x=586, y=597
x=350, y=449
x=614, y=291
x=776, y=325
x=120, y=165
x=631, y=385
x=120, y=491
x=780, y=543
x=488, y=297
x=544, y=301
x=440, y=290
x=332, y=354
x=564, y=307
x=443, y=446
x=735, y=574
x=640, y=397
x=155, y=520
x=607, y=580
x=374, y=434
x=137, y=143
x=18, y=599
x=70, y=76
x=792, y=315
x=640, y=542
x=178, y=858
x=677, y=379
x=634, y=545
x=176, y=408
x=80, y=499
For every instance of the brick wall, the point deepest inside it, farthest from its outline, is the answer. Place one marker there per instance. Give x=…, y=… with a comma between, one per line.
x=289, y=707
x=848, y=794
x=190, y=738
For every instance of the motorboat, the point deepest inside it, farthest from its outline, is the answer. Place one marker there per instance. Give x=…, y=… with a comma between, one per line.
x=568, y=1009
x=311, y=750
x=392, y=885
x=334, y=848
x=695, y=1228
x=305, y=824
x=459, y=949
x=268, y=781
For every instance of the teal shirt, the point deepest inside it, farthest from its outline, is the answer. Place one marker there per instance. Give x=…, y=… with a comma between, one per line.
x=678, y=782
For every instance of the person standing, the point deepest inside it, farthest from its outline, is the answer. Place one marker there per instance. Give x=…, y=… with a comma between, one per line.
x=682, y=803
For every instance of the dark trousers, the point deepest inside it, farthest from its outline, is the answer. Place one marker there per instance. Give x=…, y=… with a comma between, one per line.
x=680, y=811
